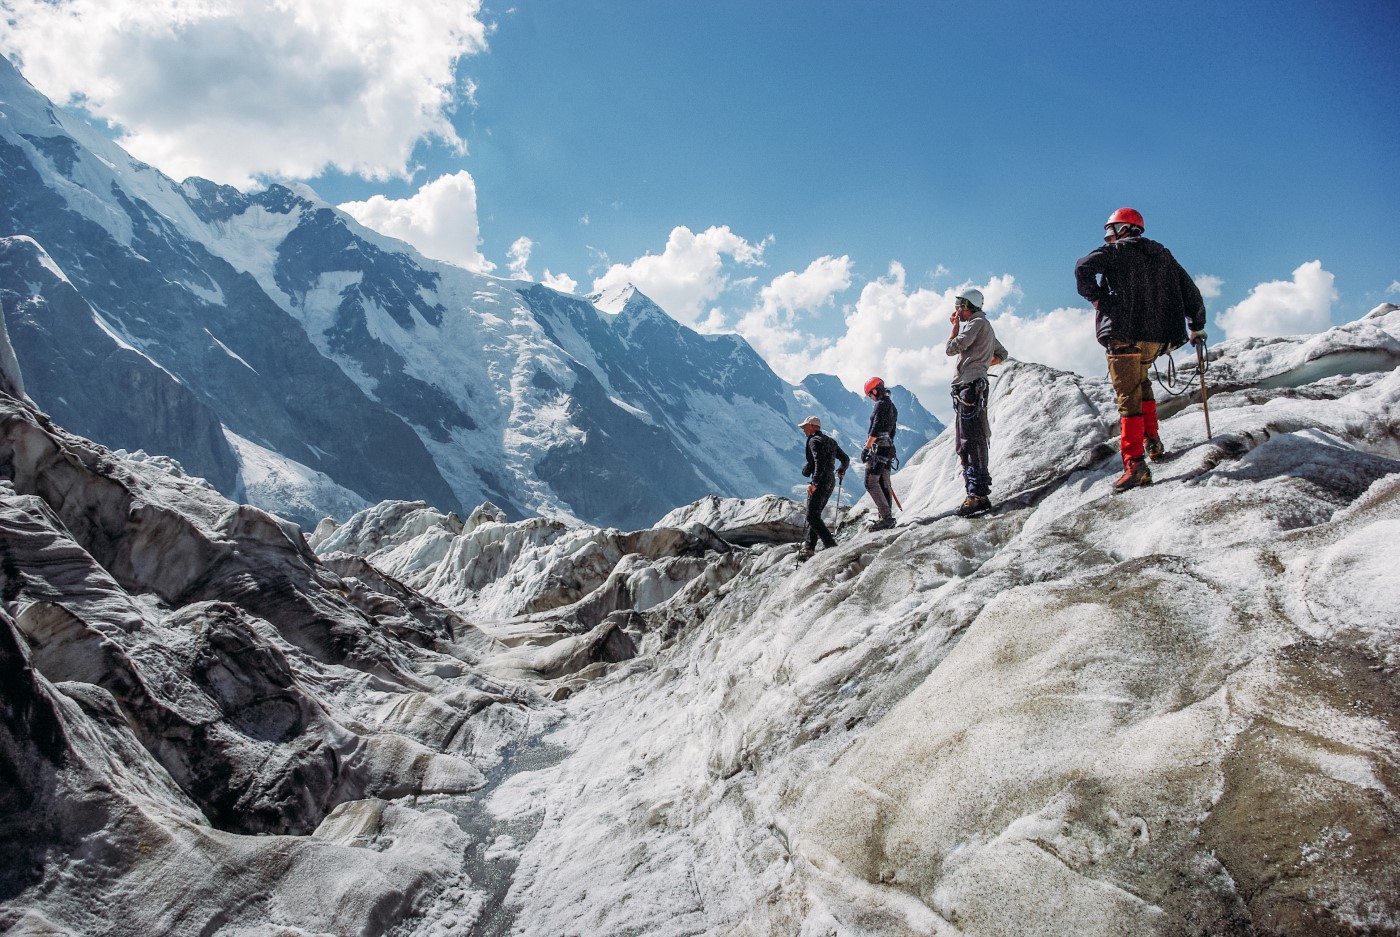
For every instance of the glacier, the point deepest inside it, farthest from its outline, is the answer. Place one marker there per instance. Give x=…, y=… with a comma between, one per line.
x=1173, y=711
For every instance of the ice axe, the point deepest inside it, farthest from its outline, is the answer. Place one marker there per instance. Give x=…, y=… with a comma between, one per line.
x=1201, y=370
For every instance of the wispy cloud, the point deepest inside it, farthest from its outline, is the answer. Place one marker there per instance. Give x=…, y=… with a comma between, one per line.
x=237, y=89
x=519, y=254
x=1394, y=288
x=1284, y=307
x=440, y=220
x=689, y=274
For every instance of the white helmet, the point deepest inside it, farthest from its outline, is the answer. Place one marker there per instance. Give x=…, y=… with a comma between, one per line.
x=973, y=297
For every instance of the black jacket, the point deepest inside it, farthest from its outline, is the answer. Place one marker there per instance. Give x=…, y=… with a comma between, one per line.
x=822, y=453
x=884, y=418
x=1139, y=292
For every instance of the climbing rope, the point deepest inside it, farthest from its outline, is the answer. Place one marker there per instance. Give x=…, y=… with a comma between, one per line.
x=1174, y=383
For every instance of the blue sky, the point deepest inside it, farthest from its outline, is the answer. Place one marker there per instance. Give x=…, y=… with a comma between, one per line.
x=986, y=138
x=820, y=176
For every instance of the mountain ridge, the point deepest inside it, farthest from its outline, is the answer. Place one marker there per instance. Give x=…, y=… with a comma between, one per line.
x=351, y=356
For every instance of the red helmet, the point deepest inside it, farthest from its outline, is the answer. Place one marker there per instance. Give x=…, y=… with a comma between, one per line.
x=1126, y=216
x=872, y=385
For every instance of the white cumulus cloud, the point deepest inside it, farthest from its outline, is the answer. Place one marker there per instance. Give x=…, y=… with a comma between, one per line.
x=559, y=281
x=812, y=288
x=1209, y=285
x=233, y=90
x=689, y=274
x=1284, y=307
x=774, y=328
x=890, y=330
x=439, y=220
x=1062, y=338
x=899, y=334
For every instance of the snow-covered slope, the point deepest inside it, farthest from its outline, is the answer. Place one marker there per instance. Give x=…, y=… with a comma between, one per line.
x=1174, y=711
x=1045, y=422
x=1169, y=712
x=175, y=317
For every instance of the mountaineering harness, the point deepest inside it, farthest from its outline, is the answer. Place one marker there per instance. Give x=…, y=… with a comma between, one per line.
x=875, y=462
x=970, y=399
x=970, y=403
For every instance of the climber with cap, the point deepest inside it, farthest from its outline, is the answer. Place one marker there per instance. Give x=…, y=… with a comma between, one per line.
x=1143, y=302
x=822, y=454
x=879, y=453
x=975, y=344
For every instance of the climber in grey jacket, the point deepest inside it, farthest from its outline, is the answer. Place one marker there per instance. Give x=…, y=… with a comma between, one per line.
x=976, y=346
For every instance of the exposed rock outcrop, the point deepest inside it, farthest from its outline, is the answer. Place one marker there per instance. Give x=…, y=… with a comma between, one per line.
x=745, y=523
x=180, y=673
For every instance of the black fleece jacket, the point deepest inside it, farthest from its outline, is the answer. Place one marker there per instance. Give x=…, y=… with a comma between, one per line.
x=1139, y=292
x=884, y=418
x=822, y=453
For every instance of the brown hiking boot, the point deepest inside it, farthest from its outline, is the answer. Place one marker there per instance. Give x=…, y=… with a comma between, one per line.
x=1135, y=475
x=974, y=504
x=884, y=523
x=1154, y=448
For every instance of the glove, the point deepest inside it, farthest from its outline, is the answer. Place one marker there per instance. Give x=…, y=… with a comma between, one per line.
x=1198, y=337
x=865, y=454
x=806, y=471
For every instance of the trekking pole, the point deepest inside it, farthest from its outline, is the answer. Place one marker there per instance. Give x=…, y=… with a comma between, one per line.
x=806, y=528
x=1201, y=369
x=840, y=480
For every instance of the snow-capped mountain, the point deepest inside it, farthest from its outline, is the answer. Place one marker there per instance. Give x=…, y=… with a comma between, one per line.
x=849, y=415
x=295, y=359
x=1169, y=712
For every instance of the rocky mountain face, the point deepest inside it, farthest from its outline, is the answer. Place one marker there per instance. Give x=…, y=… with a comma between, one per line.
x=97, y=385
x=304, y=364
x=1174, y=711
